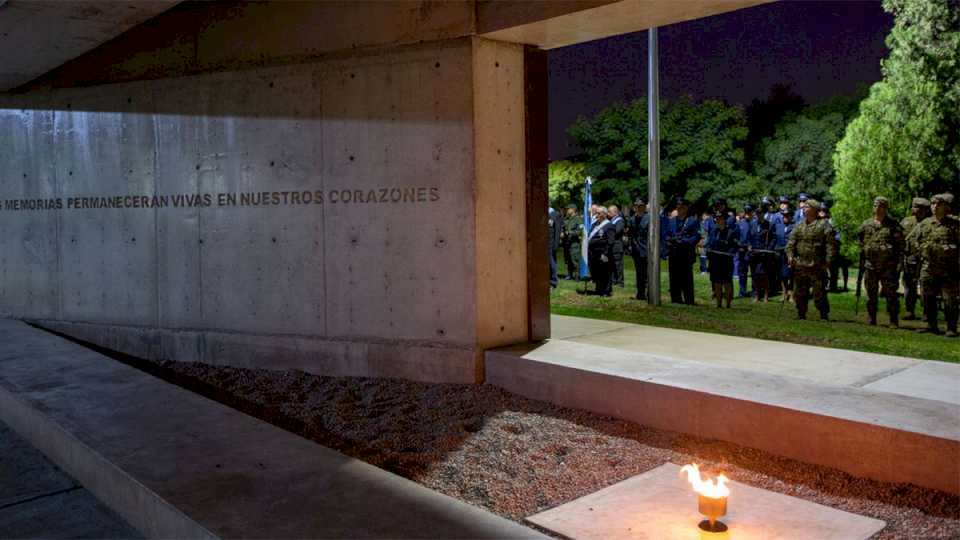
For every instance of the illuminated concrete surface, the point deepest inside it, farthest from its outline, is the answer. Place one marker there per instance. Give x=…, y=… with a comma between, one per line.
x=660, y=504
x=929, y=379
x=865, y=432
x=177, y=465
x=925, y=379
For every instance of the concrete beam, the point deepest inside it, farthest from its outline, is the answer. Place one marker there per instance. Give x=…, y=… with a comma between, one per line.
x=39, y=35
x=549, y=25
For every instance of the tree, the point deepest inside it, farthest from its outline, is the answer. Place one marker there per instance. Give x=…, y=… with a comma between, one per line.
x=764, y=115
x=906, y=140
x=566, y=182
x=799, y=155
x=701, y=149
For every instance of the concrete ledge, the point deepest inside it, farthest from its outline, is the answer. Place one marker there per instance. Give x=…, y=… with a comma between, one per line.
x=177, y=465
x=864, y=432
x=340, y=358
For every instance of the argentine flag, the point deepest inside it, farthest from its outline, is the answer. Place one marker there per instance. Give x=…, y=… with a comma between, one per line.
x=587, y=203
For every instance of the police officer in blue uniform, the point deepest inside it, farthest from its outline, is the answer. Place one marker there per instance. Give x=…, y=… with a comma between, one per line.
x=680, y=238
x=745, y=225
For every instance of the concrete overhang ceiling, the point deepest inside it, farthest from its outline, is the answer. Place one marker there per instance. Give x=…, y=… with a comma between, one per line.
x=39, y=35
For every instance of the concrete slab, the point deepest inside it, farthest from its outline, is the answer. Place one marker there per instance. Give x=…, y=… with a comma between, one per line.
x=819, y=364
x=565, y=327
x=864, y=432
x=929, y=379
x=660, y=504
x=177, y=465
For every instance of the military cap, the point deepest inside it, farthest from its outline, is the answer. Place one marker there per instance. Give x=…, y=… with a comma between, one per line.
x=640, y=201
x=812, y=203
x=946, y=198
x=784, y=199
x=766, y=200
x=572, y=206
x=920, y=201
x=803, y=197
x=881, y=200
x=748, y=208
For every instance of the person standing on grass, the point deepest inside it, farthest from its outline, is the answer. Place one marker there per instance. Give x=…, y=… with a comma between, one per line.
x=600, y=252
x=572, y=233
x=810, y=250
x=938, y=238
x=786, y=275
x=745, y=226
x=721, y=248
x=681, y=235
x=619, y=226
x=762, y=241
x=882, y=242
x=555, y=226
x=911, y=259
x=639, y=227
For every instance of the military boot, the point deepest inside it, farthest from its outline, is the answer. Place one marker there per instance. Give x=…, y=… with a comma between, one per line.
x=894, y=319
x=872, y=317
x=930, y=316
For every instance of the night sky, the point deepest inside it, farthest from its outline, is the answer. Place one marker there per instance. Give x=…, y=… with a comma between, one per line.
x=822, y=48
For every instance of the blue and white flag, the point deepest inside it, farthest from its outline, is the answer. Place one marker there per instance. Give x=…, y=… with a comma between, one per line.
x=587, y=203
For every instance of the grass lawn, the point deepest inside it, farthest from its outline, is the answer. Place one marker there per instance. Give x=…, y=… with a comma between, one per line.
x=759, y=320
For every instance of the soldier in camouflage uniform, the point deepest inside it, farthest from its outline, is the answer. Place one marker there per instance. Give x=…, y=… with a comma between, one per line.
x=882, y=243
x=810, y=251
x=570, y=240
x=938, y=238
x=911, y=256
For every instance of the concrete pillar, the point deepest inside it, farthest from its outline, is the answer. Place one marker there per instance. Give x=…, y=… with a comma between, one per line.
x=365, y=213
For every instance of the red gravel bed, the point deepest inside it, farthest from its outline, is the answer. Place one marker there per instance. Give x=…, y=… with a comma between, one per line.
x=516, y=457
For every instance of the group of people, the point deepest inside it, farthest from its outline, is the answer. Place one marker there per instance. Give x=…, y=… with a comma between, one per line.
x=793, y=250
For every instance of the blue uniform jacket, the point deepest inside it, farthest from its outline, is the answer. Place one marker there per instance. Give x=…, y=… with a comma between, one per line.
x=709, y=224
x=639, y=228
x=723, y=241
x=746, y=232
x=683, y=233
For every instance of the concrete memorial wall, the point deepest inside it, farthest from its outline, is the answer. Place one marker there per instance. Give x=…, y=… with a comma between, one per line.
x=361, y=214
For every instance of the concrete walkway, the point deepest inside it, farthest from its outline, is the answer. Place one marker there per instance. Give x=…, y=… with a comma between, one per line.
x=177, y=465
x=38, y=500
x=925, y=379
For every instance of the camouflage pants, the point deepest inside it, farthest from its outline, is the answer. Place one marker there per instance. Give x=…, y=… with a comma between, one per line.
x=948, y=288
x=885, y=280
x=910, y=275
x=805, y=279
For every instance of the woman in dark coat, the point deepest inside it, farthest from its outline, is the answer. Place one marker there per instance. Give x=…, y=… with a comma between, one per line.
x=722, y=245
x=600, y=253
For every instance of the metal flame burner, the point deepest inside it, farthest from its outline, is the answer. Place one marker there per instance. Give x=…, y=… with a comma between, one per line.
x=713, y=508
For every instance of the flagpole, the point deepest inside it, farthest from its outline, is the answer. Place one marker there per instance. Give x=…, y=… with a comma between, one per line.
x=653, y=150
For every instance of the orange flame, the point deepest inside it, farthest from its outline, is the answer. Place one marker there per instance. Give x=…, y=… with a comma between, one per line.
x=706, y=488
